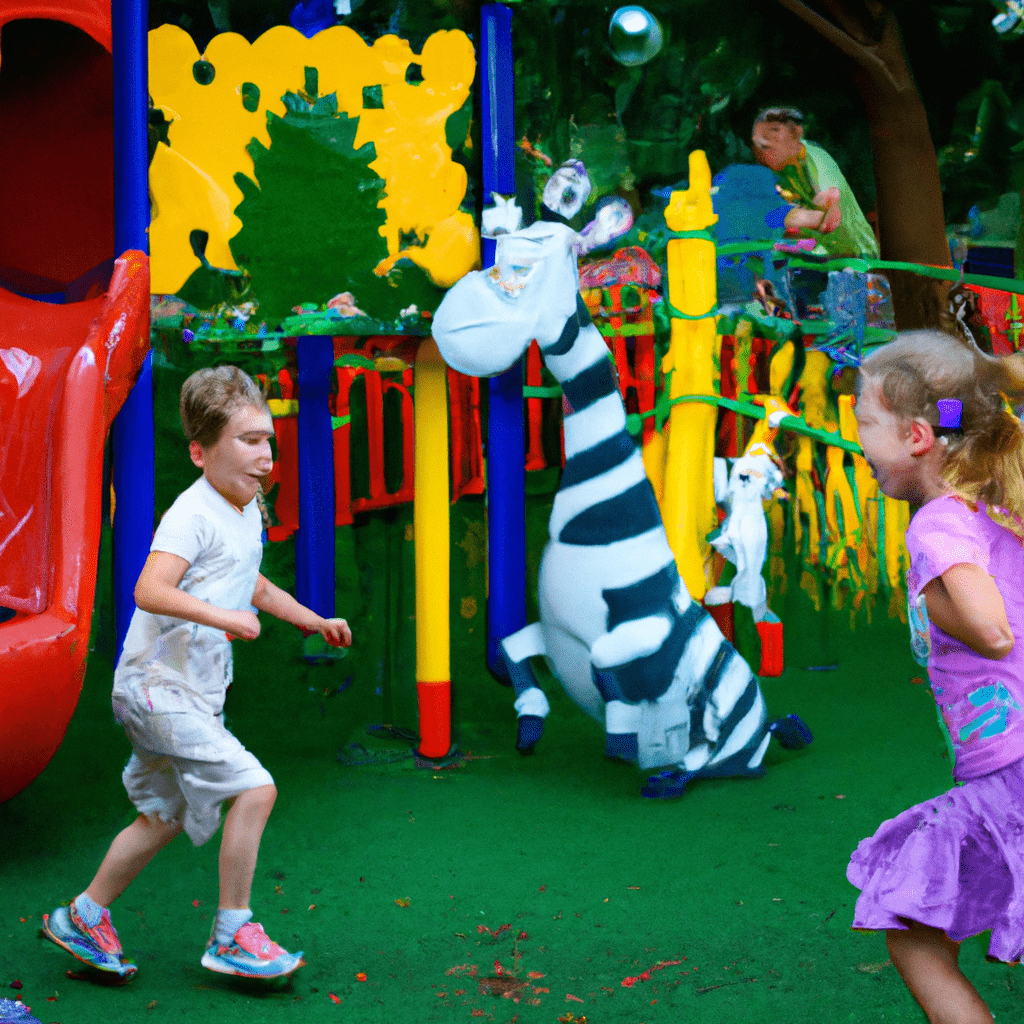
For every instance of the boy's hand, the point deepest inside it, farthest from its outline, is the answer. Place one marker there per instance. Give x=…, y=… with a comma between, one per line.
x=242, y=625
x=334, y=631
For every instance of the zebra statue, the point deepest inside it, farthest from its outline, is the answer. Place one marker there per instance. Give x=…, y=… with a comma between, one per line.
x=617, y=627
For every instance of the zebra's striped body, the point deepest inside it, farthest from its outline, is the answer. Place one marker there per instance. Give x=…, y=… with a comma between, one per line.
x=616, y=624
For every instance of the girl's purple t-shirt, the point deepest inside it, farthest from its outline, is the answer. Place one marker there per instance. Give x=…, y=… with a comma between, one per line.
x=981, y=700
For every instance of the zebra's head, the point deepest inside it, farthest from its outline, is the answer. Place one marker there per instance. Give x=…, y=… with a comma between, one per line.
x=489, y=317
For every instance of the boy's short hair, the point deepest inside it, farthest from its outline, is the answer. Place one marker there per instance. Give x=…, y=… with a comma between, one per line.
x=211, y=396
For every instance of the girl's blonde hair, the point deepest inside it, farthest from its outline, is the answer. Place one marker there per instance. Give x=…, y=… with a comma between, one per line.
x=985, y=458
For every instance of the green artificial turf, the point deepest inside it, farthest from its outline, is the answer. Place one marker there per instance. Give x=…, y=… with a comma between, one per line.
x=548, y=875
x=375, y=864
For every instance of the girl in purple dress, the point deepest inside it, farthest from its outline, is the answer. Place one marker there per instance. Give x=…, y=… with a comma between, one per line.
x=933, y=422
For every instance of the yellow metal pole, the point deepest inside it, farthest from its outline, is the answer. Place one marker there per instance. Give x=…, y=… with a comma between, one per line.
x=688, y=504
x=431, y=536
x=654, y=462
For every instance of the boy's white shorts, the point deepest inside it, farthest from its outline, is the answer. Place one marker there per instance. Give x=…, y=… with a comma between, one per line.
x=184, y=764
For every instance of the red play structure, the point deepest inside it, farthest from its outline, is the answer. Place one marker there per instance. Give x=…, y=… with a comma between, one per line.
x=66, y=364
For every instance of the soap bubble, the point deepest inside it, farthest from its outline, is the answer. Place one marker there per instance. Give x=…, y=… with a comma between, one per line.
x=634, y=36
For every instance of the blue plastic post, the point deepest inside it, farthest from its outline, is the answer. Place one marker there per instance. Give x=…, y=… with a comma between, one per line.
x=506, y=438
x=133, y=439
x=314, y=540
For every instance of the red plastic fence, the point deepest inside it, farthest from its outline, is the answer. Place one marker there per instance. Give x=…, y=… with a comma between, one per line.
x=634, y=358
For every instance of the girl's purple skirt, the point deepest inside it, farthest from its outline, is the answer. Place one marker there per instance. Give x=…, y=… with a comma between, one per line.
x=955, y=863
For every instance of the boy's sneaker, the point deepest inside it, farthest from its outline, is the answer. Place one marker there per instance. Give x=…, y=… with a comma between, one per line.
x=251, y=955
x=98, y=947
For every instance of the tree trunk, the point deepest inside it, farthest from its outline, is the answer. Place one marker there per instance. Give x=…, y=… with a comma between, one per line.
x=911, y=219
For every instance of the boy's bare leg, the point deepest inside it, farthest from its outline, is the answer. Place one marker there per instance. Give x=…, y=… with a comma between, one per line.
x=928, y=961
x=240, y=845
x=132, y=849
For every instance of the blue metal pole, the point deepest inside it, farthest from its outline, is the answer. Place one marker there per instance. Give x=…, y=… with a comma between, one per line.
x=506, y=438
x=134, y=449
x=314, y=541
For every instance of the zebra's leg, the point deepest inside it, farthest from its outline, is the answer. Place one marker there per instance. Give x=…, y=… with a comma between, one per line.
x=622, y=723
x=621, y=720
x=792, y=732
x=531, y=705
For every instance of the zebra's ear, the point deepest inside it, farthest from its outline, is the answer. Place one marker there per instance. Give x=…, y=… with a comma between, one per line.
x=721, y=479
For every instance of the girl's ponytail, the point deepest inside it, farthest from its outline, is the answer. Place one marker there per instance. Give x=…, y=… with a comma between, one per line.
x=1003, y=374
x=985, y=456
x=988, y=464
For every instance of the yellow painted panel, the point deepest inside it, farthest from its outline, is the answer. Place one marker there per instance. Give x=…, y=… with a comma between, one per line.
x=177, y=184
x=211, y=129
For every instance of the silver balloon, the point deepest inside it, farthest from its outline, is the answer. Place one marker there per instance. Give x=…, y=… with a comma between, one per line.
x=634, y=35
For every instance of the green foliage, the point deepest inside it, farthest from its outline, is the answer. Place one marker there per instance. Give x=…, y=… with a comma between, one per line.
x=311, y=221
x=719, y=65
x=980, y=162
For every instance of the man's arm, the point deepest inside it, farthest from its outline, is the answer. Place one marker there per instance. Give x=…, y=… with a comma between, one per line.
x=157, y=593
x=825, y=217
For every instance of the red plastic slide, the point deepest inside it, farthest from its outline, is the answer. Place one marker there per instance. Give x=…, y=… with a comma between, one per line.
x=65, y=371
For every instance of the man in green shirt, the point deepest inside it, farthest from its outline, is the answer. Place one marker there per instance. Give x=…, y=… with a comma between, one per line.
x=810, y=178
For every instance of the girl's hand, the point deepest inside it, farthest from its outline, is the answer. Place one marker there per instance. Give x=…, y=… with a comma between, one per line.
x=242, y=625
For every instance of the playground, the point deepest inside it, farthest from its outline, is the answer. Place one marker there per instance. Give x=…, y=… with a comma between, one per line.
x=486, y=809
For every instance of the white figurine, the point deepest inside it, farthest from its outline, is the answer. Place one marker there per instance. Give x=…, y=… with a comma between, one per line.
x=755, y=477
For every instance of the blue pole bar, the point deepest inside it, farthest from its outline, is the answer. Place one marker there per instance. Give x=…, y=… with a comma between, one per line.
x=134, y=449
x=506, y=437
x=314, y=540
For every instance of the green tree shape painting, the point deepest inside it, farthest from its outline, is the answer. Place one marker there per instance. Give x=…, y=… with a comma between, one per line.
x=310, y=220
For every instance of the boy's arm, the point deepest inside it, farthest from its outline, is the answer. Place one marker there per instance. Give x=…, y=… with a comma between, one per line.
x=270, y=598
x=965, y=603
x=157, y=592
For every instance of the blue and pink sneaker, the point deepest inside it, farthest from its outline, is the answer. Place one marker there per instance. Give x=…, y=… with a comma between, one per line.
x=251, y=955
x=99, y=946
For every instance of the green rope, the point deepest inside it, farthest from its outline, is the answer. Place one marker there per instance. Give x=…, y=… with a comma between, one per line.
x=864, y=265
x=708, y=236
x=626, y=330
x=354, y=359
x=744, y=248
x=542, y=392
x=677, y=315
x=793, y=423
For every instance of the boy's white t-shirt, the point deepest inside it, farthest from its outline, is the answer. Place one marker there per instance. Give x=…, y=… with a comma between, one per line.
x=223, y=548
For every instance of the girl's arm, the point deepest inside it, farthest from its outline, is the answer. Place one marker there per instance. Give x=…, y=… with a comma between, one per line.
x=965, y=603
x=157, y=592
x=277, y=602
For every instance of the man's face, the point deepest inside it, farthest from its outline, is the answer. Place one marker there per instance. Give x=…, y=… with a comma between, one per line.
x=776, y=145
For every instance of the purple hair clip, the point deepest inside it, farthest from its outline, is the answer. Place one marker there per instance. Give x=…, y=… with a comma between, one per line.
x=951, y=412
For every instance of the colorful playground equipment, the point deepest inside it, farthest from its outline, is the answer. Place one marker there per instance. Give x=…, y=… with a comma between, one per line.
x=238, y=122
x=74, y=336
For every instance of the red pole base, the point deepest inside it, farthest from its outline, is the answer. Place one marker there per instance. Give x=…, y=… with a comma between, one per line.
x=772, y=662
x=435, y=705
